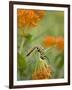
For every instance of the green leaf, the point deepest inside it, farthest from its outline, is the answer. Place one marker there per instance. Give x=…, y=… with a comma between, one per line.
x=21, y=61
x=59, y=65
x=59, y=60
x=21, y=66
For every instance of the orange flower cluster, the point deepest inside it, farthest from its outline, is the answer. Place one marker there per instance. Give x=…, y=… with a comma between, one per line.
x=50, y=41
x=43, y=72
x=28, y=17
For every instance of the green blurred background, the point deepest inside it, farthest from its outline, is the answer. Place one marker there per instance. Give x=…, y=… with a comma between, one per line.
x=52, y=24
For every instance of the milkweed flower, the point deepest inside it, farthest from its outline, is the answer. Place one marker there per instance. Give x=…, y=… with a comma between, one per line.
x=43, y=71
x=28, y=17
x=51, y=40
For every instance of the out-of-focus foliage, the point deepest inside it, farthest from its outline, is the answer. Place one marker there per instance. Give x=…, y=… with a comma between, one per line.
x=51, y=24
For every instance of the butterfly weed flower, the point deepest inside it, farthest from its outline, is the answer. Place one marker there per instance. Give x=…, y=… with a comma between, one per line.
x=43, y=71
x=50, y=41
x=28, y=17
x=25, y=20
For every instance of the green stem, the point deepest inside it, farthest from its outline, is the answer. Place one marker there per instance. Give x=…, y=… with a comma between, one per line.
x=23, y=40
x=21, y=46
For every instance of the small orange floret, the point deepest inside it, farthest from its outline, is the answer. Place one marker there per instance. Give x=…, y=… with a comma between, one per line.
x=20, y=12
x=49, y=41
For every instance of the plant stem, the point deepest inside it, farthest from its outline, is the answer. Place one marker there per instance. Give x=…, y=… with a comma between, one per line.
x=21, y=46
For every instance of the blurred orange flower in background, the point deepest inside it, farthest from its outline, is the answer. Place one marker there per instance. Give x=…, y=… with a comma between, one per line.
x=51, y=40
x=28, y=17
